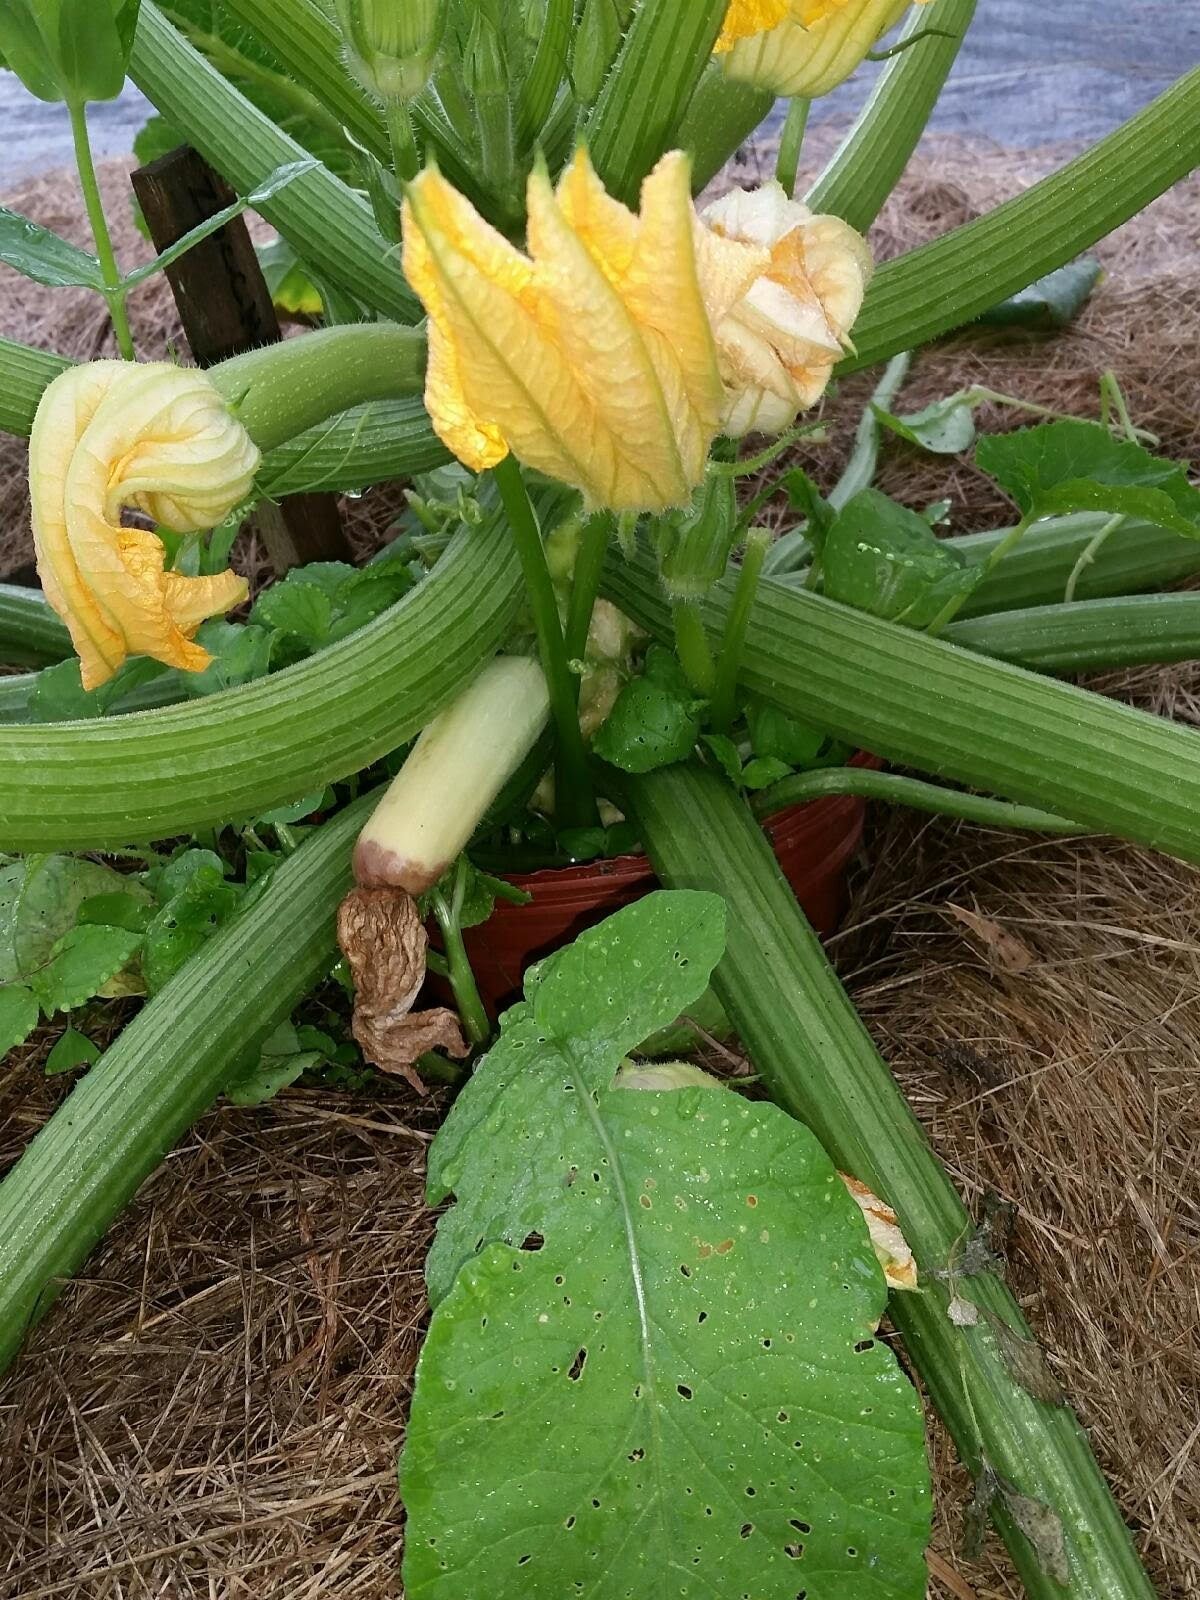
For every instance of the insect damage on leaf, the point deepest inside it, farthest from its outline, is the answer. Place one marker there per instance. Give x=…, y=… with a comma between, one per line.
x=653, y=1311
x=382, y=936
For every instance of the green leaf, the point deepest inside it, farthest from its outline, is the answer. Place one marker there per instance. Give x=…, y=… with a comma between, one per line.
x=774, y=734
x=185, y=924
x=725, y=753
x=1052, y=302
x=657, y=1356
x=80, y=964
x=43, y=903
x=762, y=772
x=946, y=428
x=157, y=137
x=884, y=559
x=292, y=289
x=118, y=909
x=18, y=1015
x=301, y=609
x=43, y=256
x=284, y=816
x=280, y=1063
x=179, y=872
x=72, y=1050
x=1079, y=466
x=654, y=719
x=241, y=654
x=804, y=497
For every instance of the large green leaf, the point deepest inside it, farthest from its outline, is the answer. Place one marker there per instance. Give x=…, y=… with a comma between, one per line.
x=651, y=1368
x=43, y=256
x=39, y=901
x=1079, y=466
x=882, y=558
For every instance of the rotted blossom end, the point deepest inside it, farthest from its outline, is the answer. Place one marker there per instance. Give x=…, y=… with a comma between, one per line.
x=115, y=436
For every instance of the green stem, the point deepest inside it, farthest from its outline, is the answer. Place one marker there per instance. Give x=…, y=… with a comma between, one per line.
x=945, y=284
x=692, y=647
x=30, y=633
x=859, y=471
x=406, y=158
x=111, y=273
x=724, y=699
x=721, y=116
x=1088, y=635
x=330, y=224
x=163, y=1072
x=458, y=965
x=818, y=1061
x=1088, y=555
x=954, y=605
x=911, y=792
x=575, y=801
x=791, y=142
x=93, y=785
x=919, y=702
x=866, y=165
x=585, y=586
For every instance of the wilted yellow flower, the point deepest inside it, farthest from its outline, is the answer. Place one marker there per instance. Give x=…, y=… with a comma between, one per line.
x=155, y=438
x=592, y=357
x=803, y=47
x=779, y=341
x=891, y=1247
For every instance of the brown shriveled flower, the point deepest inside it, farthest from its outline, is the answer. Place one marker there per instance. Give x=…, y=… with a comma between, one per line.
x=382, y=936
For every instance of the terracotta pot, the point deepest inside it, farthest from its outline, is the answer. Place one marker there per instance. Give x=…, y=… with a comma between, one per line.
x=814, y=843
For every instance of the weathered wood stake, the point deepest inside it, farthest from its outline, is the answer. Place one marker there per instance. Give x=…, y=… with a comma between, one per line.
x=225, y=307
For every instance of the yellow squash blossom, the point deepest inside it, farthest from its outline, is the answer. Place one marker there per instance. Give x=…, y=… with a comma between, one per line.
x=803, y=47
x=779, y=341
x=159, y=439
x=591, y=357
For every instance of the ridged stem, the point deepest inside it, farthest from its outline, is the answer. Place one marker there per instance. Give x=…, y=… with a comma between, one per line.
x=721, y=116
x=947, y=283
x=95, y=785
x=163, y=1072
x=666, y=50
x=1089, y=635
x=30, y=633
x=983, y=723
x=818, y=1061
x=895, y=789
x=322, y=217
x=865, y=167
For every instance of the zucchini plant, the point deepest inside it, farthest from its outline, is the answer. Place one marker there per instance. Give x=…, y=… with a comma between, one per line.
x=652, y=1360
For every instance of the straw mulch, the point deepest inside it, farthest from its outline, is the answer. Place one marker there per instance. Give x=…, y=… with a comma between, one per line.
x=215, y=1408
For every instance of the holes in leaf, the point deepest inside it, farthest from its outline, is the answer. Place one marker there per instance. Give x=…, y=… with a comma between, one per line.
x=685, y=1269
x=751, y=1490
x=533, y=1242
x=783, y=1417
x=645, y=1202
x=795, y=1551
x=703, y=1317
x=521, y=1560
x=800, y=1527
x=637, y=1455
x=569, y=1523
x=766, y=1344
x=746, y=1529
x=682, y=1390
x=577, y=1366
x=863, y=1346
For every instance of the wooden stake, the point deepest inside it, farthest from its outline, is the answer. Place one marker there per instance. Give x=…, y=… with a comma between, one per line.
x=225, y=307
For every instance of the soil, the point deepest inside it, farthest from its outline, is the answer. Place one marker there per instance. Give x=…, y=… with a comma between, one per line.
x=216, y=1406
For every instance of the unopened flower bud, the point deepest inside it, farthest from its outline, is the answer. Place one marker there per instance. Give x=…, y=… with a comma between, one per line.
x=391, y=44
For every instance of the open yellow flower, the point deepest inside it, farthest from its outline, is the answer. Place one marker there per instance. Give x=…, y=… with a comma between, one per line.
x=779, y=341
x=152, y=437
x=803, y=47
x=592, y=357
